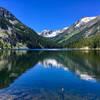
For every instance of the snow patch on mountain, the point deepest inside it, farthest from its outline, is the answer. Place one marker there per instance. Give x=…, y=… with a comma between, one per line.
x=50, y=34
x=84, y=21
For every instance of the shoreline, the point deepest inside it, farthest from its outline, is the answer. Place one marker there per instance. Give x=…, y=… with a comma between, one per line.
x=56, y=49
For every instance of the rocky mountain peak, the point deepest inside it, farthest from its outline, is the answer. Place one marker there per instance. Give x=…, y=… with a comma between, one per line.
x=84, y=20
x=6, y=14
x=50, y=33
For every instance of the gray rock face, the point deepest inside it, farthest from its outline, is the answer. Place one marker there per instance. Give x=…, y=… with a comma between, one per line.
x=85, y=27
x=5, y=13
x=51, y=33
x=16, y=35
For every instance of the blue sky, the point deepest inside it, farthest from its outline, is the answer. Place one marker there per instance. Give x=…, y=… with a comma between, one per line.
x=51, y=14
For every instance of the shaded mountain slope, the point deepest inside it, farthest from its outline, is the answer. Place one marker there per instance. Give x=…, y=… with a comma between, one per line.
x=14, y=34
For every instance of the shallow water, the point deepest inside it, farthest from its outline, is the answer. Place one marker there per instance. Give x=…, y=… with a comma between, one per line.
x=49, y=75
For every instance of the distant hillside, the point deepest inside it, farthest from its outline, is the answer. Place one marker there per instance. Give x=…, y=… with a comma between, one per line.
x=88, y=35
x=83, y=33
x=52, y=33
x=15, y=35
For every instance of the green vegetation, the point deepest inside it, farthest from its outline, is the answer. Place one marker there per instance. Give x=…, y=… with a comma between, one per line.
x=14, y=34
x=20, y=61
x=92, y=42
x=20, y=44
x=68, y=36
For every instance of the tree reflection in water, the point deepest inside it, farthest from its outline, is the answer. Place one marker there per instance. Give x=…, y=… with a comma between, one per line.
x=80, y=66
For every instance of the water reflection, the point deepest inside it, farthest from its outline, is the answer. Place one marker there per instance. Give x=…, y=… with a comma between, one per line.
x=84, y=64
x=46, y=75
x=13, y=64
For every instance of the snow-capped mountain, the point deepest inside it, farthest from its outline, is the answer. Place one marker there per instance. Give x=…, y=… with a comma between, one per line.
x=79, y=25
x=50, y=34
x=82, y=28
x=84, y=20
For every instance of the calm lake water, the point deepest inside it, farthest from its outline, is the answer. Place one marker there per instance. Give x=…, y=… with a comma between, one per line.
x=49, y=75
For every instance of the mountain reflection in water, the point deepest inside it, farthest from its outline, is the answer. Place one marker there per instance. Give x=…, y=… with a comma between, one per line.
x=42, y=75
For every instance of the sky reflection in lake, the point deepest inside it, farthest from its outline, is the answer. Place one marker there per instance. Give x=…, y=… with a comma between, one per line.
x=42, y=75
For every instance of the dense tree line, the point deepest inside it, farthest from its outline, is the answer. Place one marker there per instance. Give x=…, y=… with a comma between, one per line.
x=91, y=42
x=21, y=34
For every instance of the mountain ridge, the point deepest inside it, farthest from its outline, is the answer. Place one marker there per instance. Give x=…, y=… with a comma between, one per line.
x=15, y=35
x=51, y=33
x=85, y=29
x=78, y=23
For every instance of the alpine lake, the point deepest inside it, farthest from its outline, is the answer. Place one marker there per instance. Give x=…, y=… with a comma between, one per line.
x=49, y=75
